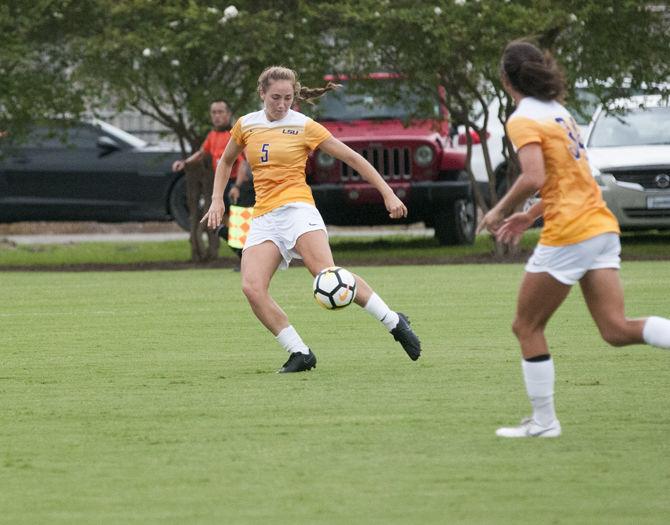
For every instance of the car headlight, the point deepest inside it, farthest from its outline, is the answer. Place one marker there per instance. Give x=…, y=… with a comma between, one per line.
x=424, y=155
x=324, y=160
x=598, y=176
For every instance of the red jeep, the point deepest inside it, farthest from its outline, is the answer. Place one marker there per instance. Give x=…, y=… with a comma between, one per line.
x=415, y=157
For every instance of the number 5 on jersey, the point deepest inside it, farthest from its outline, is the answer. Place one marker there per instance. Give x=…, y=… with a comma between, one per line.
x=265, y=150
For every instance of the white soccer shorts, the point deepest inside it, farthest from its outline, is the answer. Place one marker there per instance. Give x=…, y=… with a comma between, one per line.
x=283, y=226
x=569, y=263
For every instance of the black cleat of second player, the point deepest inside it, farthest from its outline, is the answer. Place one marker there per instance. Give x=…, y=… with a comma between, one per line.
x=404, y=334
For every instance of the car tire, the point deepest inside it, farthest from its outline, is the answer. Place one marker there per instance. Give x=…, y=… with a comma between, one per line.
x=179, y=204
x=457, y=225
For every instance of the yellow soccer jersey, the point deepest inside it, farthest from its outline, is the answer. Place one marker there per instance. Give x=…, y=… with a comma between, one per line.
x=574, y=209
x=277, y=152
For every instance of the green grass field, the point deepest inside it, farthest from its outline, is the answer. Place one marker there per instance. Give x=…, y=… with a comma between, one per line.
x=150, y=397
x=355, y=250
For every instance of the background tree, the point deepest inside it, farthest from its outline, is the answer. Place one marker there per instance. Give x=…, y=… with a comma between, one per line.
x=170, y=59
x=458, y=44
x=37, y=65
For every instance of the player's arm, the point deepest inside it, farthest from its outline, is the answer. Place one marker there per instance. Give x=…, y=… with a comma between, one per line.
x=526, y=185
x=341, y=151
x=515, y=225
x=214, y=215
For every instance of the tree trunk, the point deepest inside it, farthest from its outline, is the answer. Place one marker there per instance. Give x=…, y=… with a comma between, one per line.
x=199, y=185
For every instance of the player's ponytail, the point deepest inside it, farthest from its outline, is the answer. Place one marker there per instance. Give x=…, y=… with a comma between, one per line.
x=273, y=73
x=531, y=72
x=308, y=94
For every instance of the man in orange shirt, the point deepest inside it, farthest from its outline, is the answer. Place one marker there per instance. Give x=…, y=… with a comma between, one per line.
x=214, y=145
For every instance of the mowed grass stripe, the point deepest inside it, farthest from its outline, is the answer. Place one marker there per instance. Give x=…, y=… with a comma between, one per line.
x=146, y=397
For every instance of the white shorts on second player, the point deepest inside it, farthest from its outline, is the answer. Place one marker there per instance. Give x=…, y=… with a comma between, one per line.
x=283, y=226
x=568, y=264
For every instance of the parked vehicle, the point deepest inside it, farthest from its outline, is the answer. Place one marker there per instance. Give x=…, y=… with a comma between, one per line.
x=415, y=157
x=89, y=171
x=629, y=151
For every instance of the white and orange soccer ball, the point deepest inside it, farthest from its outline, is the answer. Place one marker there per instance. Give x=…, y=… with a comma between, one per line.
x=334, y=287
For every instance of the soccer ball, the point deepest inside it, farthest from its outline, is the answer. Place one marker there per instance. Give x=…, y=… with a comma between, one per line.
x=334, y=287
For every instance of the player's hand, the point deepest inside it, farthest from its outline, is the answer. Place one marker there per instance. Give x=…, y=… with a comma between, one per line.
x=395, y=206
x=513, y=227
x=214, y=215
x=491, y=221
x=234, y=194
x=178, y=165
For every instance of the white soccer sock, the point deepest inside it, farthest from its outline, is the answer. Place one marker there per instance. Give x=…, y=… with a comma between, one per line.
x=380, y=311
x=291, y=341
x=656, y=332
x=539, y=379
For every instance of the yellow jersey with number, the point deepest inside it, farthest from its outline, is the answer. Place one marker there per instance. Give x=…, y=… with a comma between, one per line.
x=574, y=209
x=277, y=153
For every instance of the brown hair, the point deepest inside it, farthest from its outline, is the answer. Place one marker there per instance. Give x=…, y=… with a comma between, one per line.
x=273, y=73
x=532, y=72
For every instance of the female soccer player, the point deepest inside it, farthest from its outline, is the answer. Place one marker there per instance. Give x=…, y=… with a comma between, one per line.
x=286, y=223
x=580, y=238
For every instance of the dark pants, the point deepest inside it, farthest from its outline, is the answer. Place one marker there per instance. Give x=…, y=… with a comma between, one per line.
x=246, y=199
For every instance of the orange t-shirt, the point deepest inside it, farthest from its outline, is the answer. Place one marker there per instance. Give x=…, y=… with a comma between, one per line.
x=215, y=144
x=277, y=153
x=574, y=209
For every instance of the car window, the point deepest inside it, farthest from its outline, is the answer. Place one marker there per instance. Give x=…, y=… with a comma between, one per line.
x=80, y=136
x=582, y=106
x=120, y=135
x=636, y=127
x=378, y=100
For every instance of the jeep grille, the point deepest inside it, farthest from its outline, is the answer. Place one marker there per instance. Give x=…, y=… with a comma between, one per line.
x=391, y=163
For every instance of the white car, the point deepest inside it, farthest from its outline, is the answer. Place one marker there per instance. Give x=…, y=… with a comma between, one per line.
x=629, y=151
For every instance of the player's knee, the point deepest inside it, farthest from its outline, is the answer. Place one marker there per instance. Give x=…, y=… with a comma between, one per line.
x=253, y=291
x=520, y=328
x=525, y=328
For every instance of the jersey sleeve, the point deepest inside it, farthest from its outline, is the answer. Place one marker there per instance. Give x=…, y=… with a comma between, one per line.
x=522, y=131
x=237, y=134
x=315, y=134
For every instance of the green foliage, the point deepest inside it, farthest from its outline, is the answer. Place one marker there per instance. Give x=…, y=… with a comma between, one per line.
x=170, y=58
x=37, y=61
x=151, y=397
x=458, y=44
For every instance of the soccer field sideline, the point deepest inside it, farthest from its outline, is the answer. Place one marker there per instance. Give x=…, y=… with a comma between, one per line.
x=151, y=396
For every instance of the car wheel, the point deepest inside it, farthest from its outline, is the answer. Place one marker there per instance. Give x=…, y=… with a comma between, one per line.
x=179, y=204
x=457, y=225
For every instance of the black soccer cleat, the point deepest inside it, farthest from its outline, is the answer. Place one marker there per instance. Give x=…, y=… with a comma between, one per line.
x=298, y=362
x=404, y=334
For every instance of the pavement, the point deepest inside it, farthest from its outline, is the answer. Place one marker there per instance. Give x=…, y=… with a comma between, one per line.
x=129, y=236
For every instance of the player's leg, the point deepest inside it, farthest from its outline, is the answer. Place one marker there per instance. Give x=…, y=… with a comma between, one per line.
x=603, y=294
x=259, y=264
x=540, y=296
x=315, y=251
